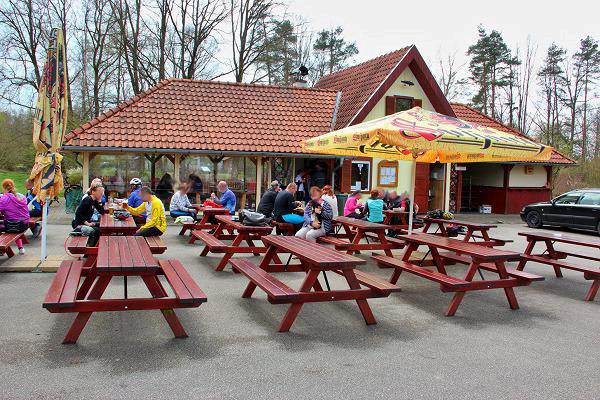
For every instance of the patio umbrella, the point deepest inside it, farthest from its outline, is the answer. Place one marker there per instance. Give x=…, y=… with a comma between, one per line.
x=419, y=135
x=49, y=125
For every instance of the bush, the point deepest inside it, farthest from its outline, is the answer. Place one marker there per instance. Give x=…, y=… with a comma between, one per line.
x=75, y=175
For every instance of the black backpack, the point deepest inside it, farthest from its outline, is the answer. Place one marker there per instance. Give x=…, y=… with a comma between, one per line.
x=252, y=218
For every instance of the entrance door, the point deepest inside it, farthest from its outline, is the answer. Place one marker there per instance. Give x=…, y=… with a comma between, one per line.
x=437, y=175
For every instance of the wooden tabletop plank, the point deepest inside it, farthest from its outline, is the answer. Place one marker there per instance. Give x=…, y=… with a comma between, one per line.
x=559, y=237
x=136, y=257
x=238, y=226
x=114, y=255
x=459, y=222
x=149, y=260
x=313, y=253
x=360, y=223
x=126, y=255
x=119, y=253
x=472, y=249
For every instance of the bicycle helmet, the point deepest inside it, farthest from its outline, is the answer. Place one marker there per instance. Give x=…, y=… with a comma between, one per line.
x=135, y=182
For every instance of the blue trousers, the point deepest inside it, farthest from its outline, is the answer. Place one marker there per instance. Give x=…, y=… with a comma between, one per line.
x=178, y=213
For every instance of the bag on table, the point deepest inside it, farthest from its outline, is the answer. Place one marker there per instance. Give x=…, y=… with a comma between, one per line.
x=252, y=218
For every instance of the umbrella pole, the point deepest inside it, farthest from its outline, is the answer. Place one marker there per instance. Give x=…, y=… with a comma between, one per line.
x=412, y=195
x=44, y=230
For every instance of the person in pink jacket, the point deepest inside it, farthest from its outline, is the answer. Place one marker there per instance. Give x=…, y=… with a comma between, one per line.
x=353, y=208
x=13, y=207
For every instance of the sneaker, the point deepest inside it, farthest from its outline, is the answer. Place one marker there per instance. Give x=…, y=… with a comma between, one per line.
x=37, y=229
x=21, y=251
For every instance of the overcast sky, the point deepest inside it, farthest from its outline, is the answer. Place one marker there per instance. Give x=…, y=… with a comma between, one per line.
x=442, y=27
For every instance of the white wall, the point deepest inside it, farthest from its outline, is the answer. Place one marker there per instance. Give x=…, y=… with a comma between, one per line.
x=518, y=178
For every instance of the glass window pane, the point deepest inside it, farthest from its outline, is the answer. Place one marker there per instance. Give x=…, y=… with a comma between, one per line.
x=361, y=172
x=591, y=199
x=569, y=198
x=403, y=104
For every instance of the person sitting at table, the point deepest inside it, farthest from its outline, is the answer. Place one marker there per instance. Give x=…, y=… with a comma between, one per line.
x=83, y=221
x=405, y=205
x=13, y=206
x=96, y=182
x=35, y=208
x=135, y=200
x=284, y=206
x=227, y=198
x=156, y=221
x=374, y=208
x=164, y=188
x=267, y=201
x=180, y=203
x=317, y=217
x=353, y=208
x=393, y=203
x=329, y=197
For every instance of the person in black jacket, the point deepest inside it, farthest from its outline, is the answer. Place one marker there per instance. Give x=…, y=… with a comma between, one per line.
x=85, y=211
x=284, y=206
x=267, y=201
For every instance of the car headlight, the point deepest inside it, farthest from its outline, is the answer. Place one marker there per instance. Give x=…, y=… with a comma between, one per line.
x=523, y=209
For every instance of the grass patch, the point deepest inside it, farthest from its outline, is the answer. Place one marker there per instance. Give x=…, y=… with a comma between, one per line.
x=18, y=177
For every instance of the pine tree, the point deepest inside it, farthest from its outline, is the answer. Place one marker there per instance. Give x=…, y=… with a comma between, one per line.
x=280, y=53
x=550, y=78
x=587, y=60
x=332, y=51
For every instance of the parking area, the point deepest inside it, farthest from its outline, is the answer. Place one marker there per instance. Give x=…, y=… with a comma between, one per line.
x=548, y=348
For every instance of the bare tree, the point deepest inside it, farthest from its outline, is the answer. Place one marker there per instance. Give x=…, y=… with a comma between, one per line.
x=449, y=78
x=248, y=33
x=524, y=83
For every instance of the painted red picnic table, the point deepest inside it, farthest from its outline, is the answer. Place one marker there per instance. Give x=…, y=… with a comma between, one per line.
x=476, y=256
x=208, y=213
x=356, y=230
x=475, y=231
x=120, y=256
x=237, y=233
x=314, y=260
x=390, y=215
x=114, y=226
x=554, y=257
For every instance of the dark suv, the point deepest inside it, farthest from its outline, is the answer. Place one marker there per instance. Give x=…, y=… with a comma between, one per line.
x=577, y=209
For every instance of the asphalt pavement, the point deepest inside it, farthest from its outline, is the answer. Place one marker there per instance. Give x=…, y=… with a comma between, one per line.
x=546, y=349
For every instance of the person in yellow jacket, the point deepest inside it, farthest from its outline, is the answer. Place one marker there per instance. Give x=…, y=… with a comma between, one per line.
x=156, y=221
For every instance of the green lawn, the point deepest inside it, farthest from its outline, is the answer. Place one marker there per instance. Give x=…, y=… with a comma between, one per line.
x=18, y=177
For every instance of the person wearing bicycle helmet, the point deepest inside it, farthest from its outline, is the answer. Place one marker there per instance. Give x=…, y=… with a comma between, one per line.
x=135, y=200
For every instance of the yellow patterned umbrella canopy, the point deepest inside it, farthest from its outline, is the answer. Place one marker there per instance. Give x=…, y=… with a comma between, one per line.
x=50, y=121
x=427, y=136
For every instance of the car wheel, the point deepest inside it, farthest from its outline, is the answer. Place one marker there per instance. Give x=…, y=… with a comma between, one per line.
x=534, y=219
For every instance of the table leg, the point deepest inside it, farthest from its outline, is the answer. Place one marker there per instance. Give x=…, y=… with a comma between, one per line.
x=593, y=291
x=383, y=241
x=406, y=257
x=227, y=256
x=363, y=305
x=510, y=293
x=554, y=256
x=528, y=251
x=458, y=296
x=292, y=312
x=357, y=237
x=437, y=260
x=426, y=226
x=250, y=243
x=82, y=318
x=158, y=291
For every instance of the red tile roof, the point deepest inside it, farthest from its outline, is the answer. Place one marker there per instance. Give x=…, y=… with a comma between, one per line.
x=470, y=114
x=215, y=116
x=359, y=82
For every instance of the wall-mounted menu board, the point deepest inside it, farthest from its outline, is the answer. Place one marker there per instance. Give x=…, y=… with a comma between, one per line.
x=387, y=174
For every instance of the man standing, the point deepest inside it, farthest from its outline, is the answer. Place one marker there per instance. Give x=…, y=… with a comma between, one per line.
x=267, y=202
x=284, y=206
x=156, y=221
x=135, y=200
x=227, y=199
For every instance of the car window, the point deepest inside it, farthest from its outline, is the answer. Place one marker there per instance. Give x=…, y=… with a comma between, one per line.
x=590, y=199
x=569, y=198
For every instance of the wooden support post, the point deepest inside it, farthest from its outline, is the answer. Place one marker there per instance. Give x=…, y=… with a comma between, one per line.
x=259, y=179
x=177, y=168
x=86, y=172
x=447, y=178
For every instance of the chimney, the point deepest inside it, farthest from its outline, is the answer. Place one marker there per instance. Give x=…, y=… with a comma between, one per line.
x=300, y=74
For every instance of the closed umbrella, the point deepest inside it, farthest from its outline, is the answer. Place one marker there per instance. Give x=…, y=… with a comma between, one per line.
x=419, y=135
x=49, y=125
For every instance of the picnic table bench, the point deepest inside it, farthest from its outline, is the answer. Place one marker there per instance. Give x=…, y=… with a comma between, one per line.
x=356, y=230
x=120, y=256
x=205, y=222
x=78, y=245
x=237, y=233
x=314, y=260
x=114, y=226
x=9, y=239
x=390, y=215
x=476, y=256
x=553, y=257
x=475, y=231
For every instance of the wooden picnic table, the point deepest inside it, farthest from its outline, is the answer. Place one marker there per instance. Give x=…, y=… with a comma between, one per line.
x=235, y=231
x=113, y=226
x=356, y=230
x=475, y=230
x=120, y=256
x=314, y=260
x=476, y=256
x=554, y=257
x=205, y=222
x=389, y=216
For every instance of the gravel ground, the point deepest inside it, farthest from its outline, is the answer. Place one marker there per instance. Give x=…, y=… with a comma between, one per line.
x=547, y=349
